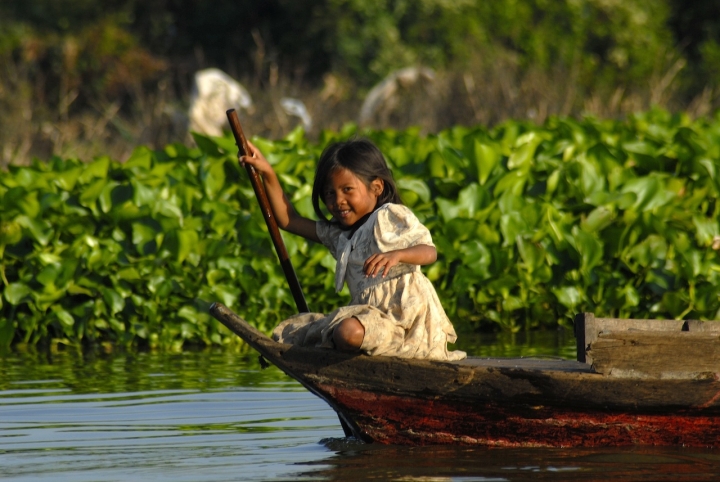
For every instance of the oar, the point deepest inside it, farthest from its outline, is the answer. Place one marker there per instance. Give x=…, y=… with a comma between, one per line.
x=273, y=228
x=259, y=189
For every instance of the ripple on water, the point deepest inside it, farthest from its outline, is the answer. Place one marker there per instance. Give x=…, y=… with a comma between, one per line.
x=179, y=435
x=190, y=416
x=215, y=416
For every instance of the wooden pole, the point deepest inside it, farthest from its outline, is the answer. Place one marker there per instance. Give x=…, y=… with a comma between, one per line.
x=274, y=230
x=277, y=240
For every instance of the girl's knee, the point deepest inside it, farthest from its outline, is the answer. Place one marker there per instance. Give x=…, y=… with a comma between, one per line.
x=349, y=334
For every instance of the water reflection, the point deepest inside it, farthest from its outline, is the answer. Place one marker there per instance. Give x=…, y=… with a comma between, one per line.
x=95, y=371
x=355, y=461
x=559, y=343
x=214, y=415
x=204, y=415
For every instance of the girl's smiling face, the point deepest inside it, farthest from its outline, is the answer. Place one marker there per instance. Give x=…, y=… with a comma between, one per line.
x=348, y=198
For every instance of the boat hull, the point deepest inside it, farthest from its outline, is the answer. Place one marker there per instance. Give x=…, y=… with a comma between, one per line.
x=495, y=402
x=390, y=419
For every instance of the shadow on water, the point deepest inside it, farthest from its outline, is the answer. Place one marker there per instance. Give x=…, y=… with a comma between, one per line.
x=215, y=415
x=356, y=461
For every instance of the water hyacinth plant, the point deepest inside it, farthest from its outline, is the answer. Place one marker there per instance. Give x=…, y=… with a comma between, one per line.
x=533, y=224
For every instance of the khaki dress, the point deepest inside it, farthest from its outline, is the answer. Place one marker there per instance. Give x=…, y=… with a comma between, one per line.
x=401, y=313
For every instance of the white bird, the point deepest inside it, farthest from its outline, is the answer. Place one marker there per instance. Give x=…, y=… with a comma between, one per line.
x=385, y=90
x=213, y=93
x=296, y=107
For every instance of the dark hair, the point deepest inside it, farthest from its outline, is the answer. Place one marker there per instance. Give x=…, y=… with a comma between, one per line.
x=362, y=158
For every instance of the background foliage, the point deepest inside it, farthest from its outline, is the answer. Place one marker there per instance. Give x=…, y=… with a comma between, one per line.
x=611, y=39
x=84, y=78
x=533, y=224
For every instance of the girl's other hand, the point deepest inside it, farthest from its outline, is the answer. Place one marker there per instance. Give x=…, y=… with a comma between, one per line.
x=256, y=160
x=381, y=262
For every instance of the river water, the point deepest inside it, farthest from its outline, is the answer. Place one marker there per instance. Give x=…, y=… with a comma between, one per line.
x=215, y=415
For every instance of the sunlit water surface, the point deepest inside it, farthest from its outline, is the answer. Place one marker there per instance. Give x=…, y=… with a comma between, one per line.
x=216, y=415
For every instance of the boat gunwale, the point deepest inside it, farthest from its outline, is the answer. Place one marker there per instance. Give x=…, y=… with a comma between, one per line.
x=497, y=380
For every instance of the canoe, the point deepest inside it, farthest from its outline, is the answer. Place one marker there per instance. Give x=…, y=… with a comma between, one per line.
x=513, y=402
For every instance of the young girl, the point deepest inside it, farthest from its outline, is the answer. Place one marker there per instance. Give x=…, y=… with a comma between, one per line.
x=379, y=246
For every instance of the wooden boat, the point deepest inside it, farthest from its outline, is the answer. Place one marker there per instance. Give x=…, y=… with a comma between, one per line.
x=629, y=386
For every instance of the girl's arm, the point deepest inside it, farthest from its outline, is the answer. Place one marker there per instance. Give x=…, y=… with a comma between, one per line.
x=286, y=216
x=420, y=254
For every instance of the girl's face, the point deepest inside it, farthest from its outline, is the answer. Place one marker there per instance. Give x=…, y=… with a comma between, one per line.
x=348, y=198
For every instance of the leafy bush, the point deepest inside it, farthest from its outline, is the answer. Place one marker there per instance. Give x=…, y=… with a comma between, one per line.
x=533, y=224
x=608, y=43
x=600, y=43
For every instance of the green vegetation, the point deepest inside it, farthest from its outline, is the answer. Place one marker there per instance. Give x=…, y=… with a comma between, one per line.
x=533, y=224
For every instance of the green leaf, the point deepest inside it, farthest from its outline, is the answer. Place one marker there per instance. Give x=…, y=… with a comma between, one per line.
x=141, y=157
x=469, y=200
x=590, y=249
x=598, y=219
x=169, y=209
x=568, y=296
x=97, y=169
x=142, y=233
x=113, y=300
x=296, y=136
x=651, y=251
x=522, y=156
x=710, y=166
x=705, y=230
x=144, y=195
x=640, y=147
x=74, y=289
x=105, y=196
x=486, y=158
x=213, y=177
x=533, y=254
x=631, y=296
x=92, y=192
x=513, y=182
x=40, y=230
x=476, y=257
x=66, y=180
x=32, y=180
x=649, y=191
x=15, y=293
x=591, y=178
x=187, y=242
x=512, y=226
x=10, y=232
x=552, y=182
x=226, y=144
x=416, y=186
x=48, y=275
x=129, y=274
x=65, y=318
x=436, y=163
x=208, y=145
x=26, y=202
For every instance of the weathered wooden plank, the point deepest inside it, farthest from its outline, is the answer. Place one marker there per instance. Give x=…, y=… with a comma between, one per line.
x=588, y=327
x=657, y=354
x=528, y=363
x=707, y=326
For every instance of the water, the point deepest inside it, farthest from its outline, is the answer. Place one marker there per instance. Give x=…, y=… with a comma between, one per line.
x=215, y=415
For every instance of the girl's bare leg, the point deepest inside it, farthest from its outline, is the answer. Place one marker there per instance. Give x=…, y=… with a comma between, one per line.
x=348, y=334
